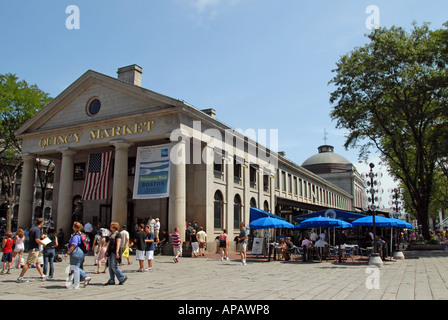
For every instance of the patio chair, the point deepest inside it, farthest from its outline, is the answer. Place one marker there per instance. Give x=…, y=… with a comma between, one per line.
x=333, y=252
x=295, y=252
x=349, y=252
x=365, y=252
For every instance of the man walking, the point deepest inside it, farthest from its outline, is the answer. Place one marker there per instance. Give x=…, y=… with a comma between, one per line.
x=139, y=242
x=202, y=239
x=242, y=241
x=34, y=237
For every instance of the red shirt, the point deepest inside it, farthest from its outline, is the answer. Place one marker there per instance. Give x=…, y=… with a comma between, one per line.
x=8, y=245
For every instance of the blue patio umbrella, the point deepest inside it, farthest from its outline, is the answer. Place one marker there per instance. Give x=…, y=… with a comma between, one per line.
x=402, y=224
x=270, y=223
x=380, y=221
x=322, y=222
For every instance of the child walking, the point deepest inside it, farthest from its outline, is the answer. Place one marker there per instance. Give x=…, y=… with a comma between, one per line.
x=149, y=247
x=19, y=241
x=7, y=252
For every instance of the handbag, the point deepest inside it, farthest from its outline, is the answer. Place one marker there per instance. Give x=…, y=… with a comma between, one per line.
x=125, y=253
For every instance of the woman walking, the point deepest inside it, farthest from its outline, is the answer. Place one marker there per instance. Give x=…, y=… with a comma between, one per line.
x=194, y=244
x=50, y=253
x=114, y=255
x=223, y=245
x=102, y=255
x=77, y=256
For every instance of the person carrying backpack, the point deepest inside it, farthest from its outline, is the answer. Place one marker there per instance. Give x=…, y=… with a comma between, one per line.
x=77, y=256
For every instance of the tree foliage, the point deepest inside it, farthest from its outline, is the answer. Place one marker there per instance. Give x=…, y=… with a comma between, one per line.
x=392, y=95
x=19, y=101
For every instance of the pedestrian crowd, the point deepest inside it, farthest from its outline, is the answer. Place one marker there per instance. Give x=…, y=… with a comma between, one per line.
x=111, y=248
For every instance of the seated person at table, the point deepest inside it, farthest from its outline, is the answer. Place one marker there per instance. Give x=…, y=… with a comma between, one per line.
x=307, y=242
x=322, y=246
x=289, y=247
x=281, y=247
x=321, y=243
x=307, y=245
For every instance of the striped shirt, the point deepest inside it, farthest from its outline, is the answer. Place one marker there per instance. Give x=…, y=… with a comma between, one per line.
x=176, y=239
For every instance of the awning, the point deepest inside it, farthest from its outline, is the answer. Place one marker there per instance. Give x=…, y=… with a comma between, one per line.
x=258, y=213
x=347, y=216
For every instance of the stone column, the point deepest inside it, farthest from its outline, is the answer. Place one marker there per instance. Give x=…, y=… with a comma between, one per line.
x=209, y=193
x=272, y=194
x=120, y=185
x=230, y=197
x=177, y=200
x=65, y=199
x=27, y=191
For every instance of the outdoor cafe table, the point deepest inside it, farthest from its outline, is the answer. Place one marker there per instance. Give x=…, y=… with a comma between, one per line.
x=276, y=249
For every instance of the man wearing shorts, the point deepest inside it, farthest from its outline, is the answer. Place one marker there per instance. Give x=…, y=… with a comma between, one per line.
x=242, y=241
x=34, y=236
x=202, y=239
x=139, y=243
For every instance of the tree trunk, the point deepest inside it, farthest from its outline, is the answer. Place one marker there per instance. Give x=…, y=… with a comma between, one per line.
x=8, y=218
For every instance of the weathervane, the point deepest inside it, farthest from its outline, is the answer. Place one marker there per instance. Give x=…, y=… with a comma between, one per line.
x=325, y=136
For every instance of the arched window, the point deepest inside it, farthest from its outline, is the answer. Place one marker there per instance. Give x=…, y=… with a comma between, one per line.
x=266, y=206
x=237, y=212
x=253, y=203
x=218, y=210
x=38, y=212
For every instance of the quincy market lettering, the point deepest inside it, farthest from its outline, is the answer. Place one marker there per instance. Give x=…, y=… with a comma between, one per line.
x=116, y=131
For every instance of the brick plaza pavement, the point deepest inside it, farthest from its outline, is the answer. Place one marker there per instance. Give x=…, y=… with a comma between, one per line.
x=421, y=276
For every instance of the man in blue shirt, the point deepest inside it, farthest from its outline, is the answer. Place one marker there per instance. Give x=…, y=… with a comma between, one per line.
x=34, y=238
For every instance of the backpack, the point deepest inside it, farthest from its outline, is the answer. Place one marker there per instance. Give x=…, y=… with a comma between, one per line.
x=85, y=243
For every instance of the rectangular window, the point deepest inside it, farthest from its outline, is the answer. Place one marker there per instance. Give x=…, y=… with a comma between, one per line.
x=289, y=183
x=283, y=181
x=237, y=169
x=218, y=164
x=266, y=179
x=294, y=185
x=253, y=169
x=79, y=171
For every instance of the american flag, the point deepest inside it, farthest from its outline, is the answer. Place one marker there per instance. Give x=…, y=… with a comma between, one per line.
x=96, y=186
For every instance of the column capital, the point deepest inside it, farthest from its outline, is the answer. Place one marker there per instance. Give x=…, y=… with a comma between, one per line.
x=120, y=144
x=67, y=151
x=28, y=156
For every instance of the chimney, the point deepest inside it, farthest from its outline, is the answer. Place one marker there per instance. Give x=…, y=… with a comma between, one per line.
x=211, y=112
x=131, y=74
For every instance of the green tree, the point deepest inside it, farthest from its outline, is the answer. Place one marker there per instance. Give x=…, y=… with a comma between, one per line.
x=19, y=101
x=392, y=95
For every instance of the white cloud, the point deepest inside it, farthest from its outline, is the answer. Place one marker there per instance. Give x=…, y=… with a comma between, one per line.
x=202, y=5
x=210, y=8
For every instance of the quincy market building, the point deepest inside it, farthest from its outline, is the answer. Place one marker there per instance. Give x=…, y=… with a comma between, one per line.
x=215, y=173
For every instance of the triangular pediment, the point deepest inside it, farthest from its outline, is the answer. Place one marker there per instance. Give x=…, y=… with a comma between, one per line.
x=118, y=99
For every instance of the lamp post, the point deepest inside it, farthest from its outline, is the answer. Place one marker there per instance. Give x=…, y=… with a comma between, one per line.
x=397, y=205
x=373, y=191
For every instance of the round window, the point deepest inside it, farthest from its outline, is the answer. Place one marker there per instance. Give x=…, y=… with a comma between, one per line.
x=94, y=107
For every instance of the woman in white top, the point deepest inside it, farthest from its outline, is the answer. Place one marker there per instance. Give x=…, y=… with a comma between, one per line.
x=19, y=242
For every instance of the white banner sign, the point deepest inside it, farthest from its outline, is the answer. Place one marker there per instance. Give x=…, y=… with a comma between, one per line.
x=152, y=172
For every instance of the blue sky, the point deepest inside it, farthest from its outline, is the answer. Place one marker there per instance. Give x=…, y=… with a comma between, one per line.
x=261, y=64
